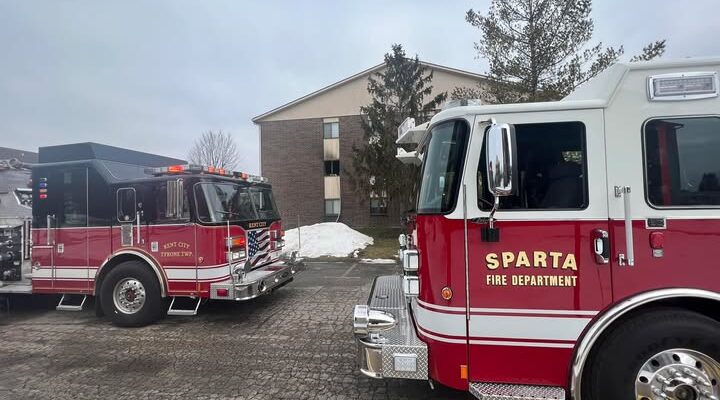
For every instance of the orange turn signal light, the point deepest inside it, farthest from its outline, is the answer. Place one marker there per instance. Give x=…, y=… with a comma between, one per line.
x=236, y=242
x=446, y=293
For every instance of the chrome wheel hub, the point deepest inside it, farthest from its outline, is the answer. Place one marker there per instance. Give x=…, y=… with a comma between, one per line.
x=129, y=295
x=678, y=374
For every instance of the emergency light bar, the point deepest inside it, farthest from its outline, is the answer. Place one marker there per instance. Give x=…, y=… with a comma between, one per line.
x=683, y=86
x=201, y=169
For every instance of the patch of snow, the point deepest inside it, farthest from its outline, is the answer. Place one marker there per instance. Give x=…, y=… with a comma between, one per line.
x=326, y=239
x=378, y=261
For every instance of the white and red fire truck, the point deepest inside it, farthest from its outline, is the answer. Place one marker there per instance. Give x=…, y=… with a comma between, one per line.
x=563, y=250
x=134, y=229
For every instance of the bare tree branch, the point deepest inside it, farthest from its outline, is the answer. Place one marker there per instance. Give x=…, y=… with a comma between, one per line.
x=216, y=149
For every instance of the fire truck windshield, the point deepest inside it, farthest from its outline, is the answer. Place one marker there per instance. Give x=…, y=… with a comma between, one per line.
x=442, y=167
x=222, y=202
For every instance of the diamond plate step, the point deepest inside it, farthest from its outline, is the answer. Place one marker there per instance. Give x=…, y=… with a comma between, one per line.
x=499, y=391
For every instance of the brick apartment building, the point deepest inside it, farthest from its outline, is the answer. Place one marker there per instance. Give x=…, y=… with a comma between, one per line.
x=306, y=151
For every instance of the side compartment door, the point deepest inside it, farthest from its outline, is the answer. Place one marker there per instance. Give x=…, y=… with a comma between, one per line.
x=533, y=291
x=672, y=169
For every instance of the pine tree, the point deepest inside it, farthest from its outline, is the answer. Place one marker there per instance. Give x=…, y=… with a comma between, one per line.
x=398, y=91
x=538, y=49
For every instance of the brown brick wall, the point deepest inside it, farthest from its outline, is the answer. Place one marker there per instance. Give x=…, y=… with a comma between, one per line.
x=292, y=158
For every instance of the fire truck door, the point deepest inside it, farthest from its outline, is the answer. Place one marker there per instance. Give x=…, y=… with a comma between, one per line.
x=68, y=195
x=535, y=288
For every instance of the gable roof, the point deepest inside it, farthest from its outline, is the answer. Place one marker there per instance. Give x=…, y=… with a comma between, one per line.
x=359, y=75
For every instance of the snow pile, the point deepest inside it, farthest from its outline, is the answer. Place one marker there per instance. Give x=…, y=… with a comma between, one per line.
x=327, y=239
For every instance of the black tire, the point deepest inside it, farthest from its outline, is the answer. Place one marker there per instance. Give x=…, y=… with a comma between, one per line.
x=129, y=271
x=613, y=368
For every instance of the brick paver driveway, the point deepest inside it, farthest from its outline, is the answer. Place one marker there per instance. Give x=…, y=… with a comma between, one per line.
x=294, y=344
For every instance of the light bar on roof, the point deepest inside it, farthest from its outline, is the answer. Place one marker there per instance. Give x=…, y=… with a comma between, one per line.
x=683, y=86
x=193, y=168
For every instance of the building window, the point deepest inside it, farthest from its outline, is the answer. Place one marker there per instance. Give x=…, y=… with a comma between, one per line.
x=332, y=207
x=331, y=130
x=378, y=205
x=681, y=163
x=332, y=167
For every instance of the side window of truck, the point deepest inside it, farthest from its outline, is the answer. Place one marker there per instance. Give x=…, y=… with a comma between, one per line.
x=682, y=167
x=552, y=166
x=73, y=210
x=126, y=205
x=160, y=214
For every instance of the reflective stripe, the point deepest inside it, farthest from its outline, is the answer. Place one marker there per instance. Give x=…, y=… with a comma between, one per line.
x=501, y=326
x=439, y=322
x=523, y=344
x=508, y=310
x=514, y=327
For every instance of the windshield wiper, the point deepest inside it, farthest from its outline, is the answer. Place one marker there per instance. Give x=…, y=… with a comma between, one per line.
x=230, y=213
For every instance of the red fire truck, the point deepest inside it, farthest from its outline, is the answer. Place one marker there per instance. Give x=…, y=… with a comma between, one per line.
x=563, y=250
x=138, y=231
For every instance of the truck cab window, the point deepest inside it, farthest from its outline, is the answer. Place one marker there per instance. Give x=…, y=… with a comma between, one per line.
x=442, y=167
x=126, y=206
x=681, y=163
x=73, y=210
x=551, y=166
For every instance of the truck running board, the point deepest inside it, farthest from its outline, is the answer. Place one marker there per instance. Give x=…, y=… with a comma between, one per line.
x=183, y=311
x=69, y=302
x=499, y=391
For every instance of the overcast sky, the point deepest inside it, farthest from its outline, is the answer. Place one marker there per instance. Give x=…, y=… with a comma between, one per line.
x=153, y=75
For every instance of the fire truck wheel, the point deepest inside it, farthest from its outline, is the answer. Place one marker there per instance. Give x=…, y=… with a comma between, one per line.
x=665, y=353
x=130, y=295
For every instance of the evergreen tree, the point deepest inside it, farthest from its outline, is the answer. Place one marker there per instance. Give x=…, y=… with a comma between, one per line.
x=398, y=92
x=538, y=49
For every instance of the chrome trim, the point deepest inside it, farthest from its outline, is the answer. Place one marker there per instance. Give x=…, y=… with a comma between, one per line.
x=257, y=282
x=678, y=374
x=148, y=260
x=367, y=321
x=629, y=260
x=600, y=324
x=378, y=350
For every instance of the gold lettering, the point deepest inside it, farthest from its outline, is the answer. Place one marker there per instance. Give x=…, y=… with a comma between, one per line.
x=507, y=258
x=492, y=261
x=555, y=258
x=522, y=260
x=570, y=262
x=540, y=259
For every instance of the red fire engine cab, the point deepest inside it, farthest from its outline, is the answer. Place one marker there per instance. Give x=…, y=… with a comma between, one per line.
x=563, y=250
x=138, y=231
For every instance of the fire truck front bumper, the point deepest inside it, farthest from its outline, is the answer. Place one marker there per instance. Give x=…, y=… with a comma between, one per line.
x=388, y=345
x=257, y=282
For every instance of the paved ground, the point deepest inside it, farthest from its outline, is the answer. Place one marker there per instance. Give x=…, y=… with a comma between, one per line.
x=295, y=344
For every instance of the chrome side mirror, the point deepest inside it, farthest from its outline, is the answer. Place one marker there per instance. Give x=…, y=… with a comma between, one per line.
x=502, y=173
x=501, y=155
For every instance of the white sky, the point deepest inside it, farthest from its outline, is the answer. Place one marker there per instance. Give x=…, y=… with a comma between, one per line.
x=153, y=75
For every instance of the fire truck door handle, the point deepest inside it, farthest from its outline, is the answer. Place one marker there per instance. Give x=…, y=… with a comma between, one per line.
x=629, y=259
x=601, y=246
x=137, y=226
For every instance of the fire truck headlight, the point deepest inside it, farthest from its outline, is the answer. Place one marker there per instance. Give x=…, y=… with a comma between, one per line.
x=410, y=261
x=367, y=321
x=237, y=255
x=411, y=285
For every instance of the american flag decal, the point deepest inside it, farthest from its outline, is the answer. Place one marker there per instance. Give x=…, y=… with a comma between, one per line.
x=258, y=246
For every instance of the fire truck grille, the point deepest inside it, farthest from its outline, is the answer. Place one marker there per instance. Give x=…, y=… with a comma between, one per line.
x=499, y=391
